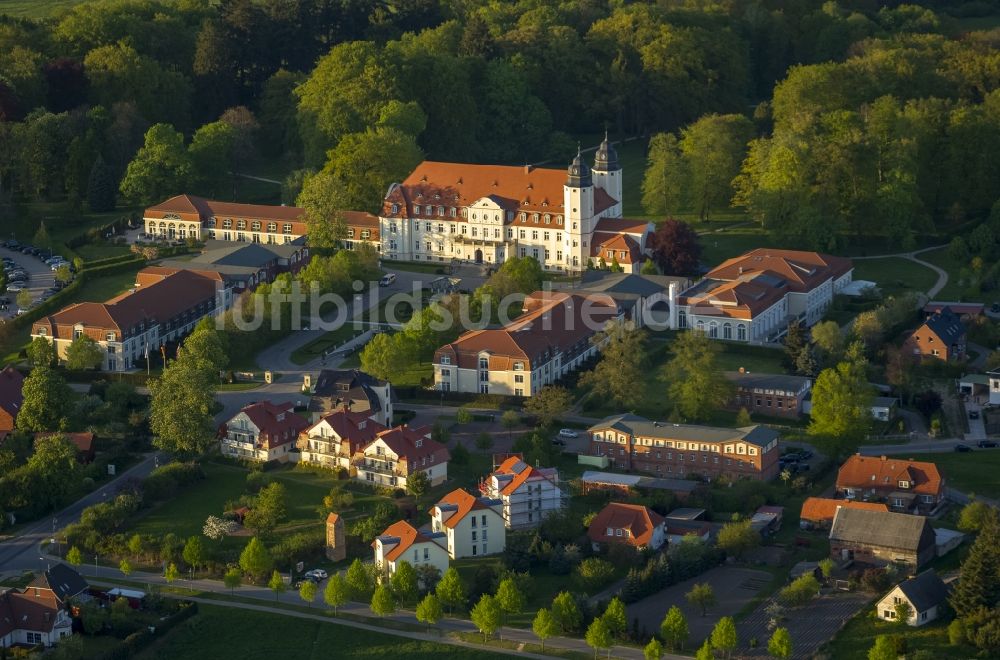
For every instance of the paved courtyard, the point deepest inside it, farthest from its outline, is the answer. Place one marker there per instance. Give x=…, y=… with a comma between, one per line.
x=734, y=588
x=810, y=626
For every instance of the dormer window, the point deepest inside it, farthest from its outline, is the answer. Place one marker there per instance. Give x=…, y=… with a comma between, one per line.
x=445, y=359
x=419, y=442
x=518, y=366
x=610, y=532
x=394, y=208
x=904, y=484
x=618, y=532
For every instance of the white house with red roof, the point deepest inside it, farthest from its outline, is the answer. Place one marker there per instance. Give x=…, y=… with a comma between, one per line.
x=189, y=216
x=551, y=339
x=474, y=526
x=262, y=431
x=397, y=453
x=401, y=541
x=486, y=214
x=529, y=494
x=627, y=524
x=752, y=298
x=334, y=440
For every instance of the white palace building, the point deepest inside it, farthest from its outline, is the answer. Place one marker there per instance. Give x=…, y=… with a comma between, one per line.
x=487, y=213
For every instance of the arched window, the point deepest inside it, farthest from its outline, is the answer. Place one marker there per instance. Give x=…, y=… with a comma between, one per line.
x=700, y=326
x=727, y=331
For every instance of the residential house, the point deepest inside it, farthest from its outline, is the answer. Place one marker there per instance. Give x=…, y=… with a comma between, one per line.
x=752, y=298
x=335, y=439
x=84, y=442
x=39, y=613
x=188, y=216
x=164, y=307
x=262, y=431
x=11, y=383
x=349, y=389
x=401, y=541
x=880, y=538
x=398, y=453
x=925, y=593
x=551, y=339
x=906, y=486
x=941, y=336
x=529, y=494
x=566, y=219
x=818, y=512
x=965, y=310
x=767, y=519
x=474, y=526
x=774, y=395
x=994, y=395
x=629, y=525
x=670, y=450
x=643, y=299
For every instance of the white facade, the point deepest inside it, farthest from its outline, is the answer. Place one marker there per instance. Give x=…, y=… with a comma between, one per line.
x=994, y=388
x=526, y=501
x=323, y=445
x=380, y=465
x=886, y=609
x=419, y=553
x=243, y=441
x=174, y=227
x=479, y=532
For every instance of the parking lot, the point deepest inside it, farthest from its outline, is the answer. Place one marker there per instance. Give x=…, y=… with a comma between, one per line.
x=40, y=278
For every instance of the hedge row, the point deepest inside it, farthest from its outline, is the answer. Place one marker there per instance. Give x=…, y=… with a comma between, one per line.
x=97, y=263
x=97, y=233
x=137, y=641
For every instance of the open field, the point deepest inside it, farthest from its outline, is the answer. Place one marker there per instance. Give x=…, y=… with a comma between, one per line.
x=35, y=8
x=326, y=342
x=972, y=473
x=219, y=632
x=859, y=634
x=895, y=275
x=954, y=290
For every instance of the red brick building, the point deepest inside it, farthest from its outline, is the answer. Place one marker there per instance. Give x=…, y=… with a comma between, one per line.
x=685, y=450
x=942, y=336
x=775, y=395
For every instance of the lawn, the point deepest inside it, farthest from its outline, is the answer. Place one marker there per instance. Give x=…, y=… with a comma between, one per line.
x=35, y=8
x=326, y=342
x=220, y=632
x=954, y=290
x=972, y=473
x=854, y=640
x=895, y=275
x=719, y=246
x=95, y=251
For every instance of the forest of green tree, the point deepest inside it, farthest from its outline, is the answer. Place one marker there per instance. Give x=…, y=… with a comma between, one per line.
x=825, y=121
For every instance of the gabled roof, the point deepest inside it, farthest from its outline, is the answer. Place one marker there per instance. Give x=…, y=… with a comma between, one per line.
x=461, y=503
x=348, y=388
x=640, y=426
x=11, y=384
x=208, y=208
x=355, y=428
x=617, y=244
x=64, y=582
x=413, y=446
x=946, y=325
x=884, y=472
x=802, y=270
x=404, y=535
x=277, y=425
x=640, y=521
x=935, y=306
x=33, y=609
x=83, y=440
x=876, y=528
x=513, y=473
x=824, y=508
x=924, y=591
x=635, y=226
x=782, y=382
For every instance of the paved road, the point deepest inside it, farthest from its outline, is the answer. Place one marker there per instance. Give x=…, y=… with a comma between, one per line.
x=21, y=552
x=942, y=280
x=918, y=447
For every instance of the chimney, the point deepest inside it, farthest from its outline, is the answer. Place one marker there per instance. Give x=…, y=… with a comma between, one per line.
x=882, y=457
x=528, y=168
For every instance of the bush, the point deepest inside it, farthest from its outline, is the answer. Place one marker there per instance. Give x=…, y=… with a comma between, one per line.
x=799, y=592
x=594, y=573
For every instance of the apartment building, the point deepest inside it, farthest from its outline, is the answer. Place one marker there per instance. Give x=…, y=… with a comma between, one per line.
x=334, y=440
x=397, y=453
x=163, y=307
x=401, y=542
x=687, y=451
x=474, y=526
x=529, y=494
x=906, y=486
x=189, y=216
x=551, y=339
x=352, y=390
x=775, y=395
x=262, y=431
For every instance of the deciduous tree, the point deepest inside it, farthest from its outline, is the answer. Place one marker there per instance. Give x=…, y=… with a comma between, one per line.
x=83, y=353
x=404, y=583
x=307, y=591
x=620, y=366
x=598, y=636
x=724, y=637
x=451, y=590
x=232, y=579
x=674, y=628
x=664, y=178
x=337, y=592
x=676, y=248
x=429, y=610
x=842, y=405
x=359, y=580
x=276, y=583
x=549, y=403
x=780, y=644
x=701, y=596
x=161, y=168
x=255, y=560
x=46, y=401
x=544, y=626
x=486, y=616
x=566, y=612
x=695, y=382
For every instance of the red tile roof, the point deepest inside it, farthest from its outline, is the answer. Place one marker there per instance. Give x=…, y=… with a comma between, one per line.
x=34, y=609
x=11, y=384
x=464, y=502
x=407, y=535
x=615, y=247
x=521, y=471
x=802, y=270
x=554, y=322
x=639, y=520
x=355, y=429
x=191, y=207
x=277, y=425
x=880, y=472
x=414, y=447
x=84, y=441
x=623, y=226
x=822, y=509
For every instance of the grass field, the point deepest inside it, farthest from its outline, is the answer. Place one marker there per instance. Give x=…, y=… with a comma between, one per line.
x=324, y=343
x=895, y=275
x=35, y=8
x=219, y=632
x=954, y=290
x=972, y=473
x=95, y=251
x=854, y=640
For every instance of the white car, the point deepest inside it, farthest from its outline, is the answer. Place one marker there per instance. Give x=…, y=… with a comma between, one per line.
x=15, y=288
x=567, y=433
x=317, y=573
x=57, y=265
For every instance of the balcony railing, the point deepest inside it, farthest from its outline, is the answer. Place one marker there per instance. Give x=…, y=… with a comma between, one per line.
x=380, y=467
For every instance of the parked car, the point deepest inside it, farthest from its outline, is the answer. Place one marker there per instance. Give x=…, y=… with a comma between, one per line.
x=567, y=433
x=298, y=583
x=962, y=448
x=317, y=573
x=973, y=414
x=387, y=279
x=987, y=444
x=15, y=287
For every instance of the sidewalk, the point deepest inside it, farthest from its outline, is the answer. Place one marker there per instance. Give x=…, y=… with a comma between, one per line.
x=291, y=597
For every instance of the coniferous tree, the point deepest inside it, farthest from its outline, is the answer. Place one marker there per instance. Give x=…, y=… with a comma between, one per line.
x=102, y=189
x=979, y=581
